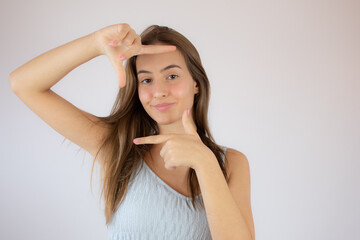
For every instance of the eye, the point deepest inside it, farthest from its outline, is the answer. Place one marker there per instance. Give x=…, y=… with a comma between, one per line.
x=145, y=81
x=173, y=76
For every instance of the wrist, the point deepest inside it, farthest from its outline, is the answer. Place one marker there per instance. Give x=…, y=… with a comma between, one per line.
x=207, y=164
x=96, y=44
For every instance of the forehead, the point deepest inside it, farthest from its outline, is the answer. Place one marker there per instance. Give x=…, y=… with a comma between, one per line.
x=156, y=62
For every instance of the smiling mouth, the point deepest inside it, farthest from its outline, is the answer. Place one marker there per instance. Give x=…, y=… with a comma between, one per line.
x=163, y=107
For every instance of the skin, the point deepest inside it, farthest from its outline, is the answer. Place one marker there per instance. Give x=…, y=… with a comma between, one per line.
x=174, y=85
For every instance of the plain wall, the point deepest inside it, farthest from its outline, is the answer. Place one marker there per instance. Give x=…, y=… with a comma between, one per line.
x=285, y=81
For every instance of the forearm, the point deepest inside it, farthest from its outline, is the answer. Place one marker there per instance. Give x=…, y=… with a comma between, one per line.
x=44, y=71
x=223, y=215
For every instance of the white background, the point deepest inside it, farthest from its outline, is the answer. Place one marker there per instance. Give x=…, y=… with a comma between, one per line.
x=285, y=80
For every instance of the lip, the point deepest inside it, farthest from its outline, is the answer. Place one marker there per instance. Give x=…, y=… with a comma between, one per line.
x=163, y=106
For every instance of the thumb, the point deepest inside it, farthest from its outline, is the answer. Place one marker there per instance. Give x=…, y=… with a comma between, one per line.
x=188, y=124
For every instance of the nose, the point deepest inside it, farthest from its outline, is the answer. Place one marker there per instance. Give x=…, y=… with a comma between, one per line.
x=160, y=88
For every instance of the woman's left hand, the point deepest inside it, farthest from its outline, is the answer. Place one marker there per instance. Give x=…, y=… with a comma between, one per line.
x=181, y=150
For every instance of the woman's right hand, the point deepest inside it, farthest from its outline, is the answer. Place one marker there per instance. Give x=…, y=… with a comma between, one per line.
x=120, y=42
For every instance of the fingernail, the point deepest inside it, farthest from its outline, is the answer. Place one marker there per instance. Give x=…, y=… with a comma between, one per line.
x=122, y=58
x=188, y=112
x=135, y=141
x=112, y=43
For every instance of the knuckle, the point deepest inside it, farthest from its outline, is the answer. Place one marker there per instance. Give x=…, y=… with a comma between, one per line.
x=119, y=27
x=128, y=41
x=125, y=25
x=167, y=165
x=170, y=151
x=172, y=158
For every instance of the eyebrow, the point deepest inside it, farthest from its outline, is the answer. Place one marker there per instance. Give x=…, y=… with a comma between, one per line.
x=166, y=68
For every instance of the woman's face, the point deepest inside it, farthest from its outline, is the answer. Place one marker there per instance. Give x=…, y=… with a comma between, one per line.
x=165, y=79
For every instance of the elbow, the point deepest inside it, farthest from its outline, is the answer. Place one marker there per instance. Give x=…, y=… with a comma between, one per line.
x=12, y=77
x=14, y=82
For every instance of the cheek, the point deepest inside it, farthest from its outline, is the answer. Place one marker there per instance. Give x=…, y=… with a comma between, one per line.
x=182, y=90
x=144, y=95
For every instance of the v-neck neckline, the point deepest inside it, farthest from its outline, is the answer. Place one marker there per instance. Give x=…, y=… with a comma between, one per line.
x=165, y=184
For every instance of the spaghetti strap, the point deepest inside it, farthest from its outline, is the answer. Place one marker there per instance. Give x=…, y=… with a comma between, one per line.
x=223, y=156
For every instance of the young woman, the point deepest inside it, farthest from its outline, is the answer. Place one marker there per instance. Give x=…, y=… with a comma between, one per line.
x=163, y=175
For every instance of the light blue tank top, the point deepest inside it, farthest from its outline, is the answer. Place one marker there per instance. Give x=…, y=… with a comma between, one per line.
x=152, y=210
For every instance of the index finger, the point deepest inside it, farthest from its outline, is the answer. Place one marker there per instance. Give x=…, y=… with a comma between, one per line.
x=155, y=139
x=153, y=49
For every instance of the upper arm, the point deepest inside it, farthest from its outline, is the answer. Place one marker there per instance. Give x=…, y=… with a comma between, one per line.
x=239, y=185
x=80, y=127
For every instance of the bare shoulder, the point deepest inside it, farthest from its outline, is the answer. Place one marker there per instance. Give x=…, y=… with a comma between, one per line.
x=230, y=152
x=236, y=161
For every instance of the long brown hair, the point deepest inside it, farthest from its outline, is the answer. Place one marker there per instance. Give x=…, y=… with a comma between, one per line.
x=129, y=120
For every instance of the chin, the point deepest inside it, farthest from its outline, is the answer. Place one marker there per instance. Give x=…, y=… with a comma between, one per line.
x=164, y=120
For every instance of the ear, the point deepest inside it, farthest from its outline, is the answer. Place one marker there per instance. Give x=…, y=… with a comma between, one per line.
x=196, y=87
